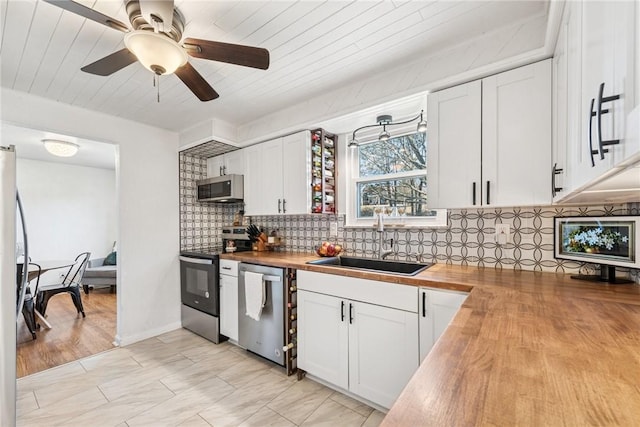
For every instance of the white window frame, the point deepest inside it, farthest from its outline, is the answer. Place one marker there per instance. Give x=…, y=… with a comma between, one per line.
x=351, y=172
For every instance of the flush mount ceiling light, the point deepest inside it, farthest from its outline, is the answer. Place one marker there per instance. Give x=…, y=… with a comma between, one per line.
x=386, y=120
x=60, y=148
x=156, y=52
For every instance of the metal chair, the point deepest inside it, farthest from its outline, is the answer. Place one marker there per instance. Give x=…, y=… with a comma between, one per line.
x=28, y=304
x=71, y=284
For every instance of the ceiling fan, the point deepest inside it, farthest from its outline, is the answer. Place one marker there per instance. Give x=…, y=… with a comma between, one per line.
x=155, y=40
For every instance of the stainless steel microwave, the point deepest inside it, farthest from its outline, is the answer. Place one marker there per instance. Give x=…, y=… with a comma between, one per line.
x=221, y=189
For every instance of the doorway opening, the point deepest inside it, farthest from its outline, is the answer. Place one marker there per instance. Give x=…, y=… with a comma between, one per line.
x=70, y=206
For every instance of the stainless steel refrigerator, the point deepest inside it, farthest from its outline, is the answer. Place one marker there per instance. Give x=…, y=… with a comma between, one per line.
x=11, y=295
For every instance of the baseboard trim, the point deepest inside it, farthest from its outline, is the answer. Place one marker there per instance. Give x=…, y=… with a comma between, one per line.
x=130, y=339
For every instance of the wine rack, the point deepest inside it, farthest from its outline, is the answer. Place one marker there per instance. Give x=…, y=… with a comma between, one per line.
x=291, y=322
x=323, y=171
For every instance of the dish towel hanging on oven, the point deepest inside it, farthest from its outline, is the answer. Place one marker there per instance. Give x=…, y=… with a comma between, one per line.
x=254, y=294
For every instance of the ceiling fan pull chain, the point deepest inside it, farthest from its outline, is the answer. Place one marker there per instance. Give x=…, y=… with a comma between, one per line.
x=158, y=89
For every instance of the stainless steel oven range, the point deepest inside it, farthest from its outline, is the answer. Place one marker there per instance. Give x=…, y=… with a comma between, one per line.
x=200, y=293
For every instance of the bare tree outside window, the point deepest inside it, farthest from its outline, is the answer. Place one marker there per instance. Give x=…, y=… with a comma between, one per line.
x=401, y=154
x=400, y=164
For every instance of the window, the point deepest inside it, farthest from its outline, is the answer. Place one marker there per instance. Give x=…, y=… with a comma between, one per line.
x=390, y=177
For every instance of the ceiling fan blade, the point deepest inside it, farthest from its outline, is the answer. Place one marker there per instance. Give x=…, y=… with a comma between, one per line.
x=159, y=11
x=89, y=13
x=196, y=83
x=111, y=63
x=248, y=56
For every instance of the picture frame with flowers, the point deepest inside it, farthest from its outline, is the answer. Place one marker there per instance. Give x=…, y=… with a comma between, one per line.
x=609, y=240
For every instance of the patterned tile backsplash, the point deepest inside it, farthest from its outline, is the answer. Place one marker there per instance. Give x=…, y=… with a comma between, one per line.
x=468, y=239
x=200, y=223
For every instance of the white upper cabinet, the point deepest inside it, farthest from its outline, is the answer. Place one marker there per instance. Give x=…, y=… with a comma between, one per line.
x=516, y=136
x=271, y=177
x=454, y=146
x=277, y=176
x=296, y=173
x=560, y=94
x=234, y=163
x=489, y=141
x=604, y=68
x=598, y=126
x=226, y=164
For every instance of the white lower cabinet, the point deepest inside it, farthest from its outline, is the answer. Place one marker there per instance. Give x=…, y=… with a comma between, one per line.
x=383, y=351
x=323, y=337
x=364, y=347
x=437, y=309
x=229, y=299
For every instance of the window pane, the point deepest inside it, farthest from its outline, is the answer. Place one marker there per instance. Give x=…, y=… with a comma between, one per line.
x=401, y=154
x=408, y=195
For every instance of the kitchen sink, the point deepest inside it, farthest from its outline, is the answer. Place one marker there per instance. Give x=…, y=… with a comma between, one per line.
x=378, y=265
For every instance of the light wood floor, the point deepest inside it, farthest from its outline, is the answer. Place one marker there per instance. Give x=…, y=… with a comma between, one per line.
x=71, y=337
x=181, y=379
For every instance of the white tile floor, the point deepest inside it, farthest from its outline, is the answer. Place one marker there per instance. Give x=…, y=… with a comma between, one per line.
x=181, y=379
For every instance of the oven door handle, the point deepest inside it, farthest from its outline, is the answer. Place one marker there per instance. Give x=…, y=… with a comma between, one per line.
x=196, y=260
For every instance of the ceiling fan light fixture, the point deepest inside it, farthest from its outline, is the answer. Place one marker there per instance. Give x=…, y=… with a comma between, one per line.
x=156, y=52
x=60, y=148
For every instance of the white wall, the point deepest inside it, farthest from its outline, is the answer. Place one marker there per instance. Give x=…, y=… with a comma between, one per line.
x=147, y=180
x=69, y=209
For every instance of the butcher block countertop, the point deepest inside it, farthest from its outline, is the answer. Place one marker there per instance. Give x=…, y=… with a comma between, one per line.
x=526, y=348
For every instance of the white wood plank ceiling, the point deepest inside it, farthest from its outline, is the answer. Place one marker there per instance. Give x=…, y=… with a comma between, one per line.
x=315, y=46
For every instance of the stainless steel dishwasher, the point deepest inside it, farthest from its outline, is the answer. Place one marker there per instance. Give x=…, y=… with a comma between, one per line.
x=264, y=337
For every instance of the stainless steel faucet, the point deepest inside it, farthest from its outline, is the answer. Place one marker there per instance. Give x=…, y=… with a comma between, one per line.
x=382, y=252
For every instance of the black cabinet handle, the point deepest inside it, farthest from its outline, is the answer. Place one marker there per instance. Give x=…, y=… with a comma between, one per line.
x=424, y=304
x=488, y=192
x=474, y=193
x=601, y=100
x=342, y=311
x=591, y=150
x=555, y=171
x=284, y=205
x=220, y=170
x=279, y=202
x=350, y=313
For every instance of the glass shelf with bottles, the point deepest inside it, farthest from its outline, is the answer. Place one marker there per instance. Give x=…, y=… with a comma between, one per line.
x=323, y=171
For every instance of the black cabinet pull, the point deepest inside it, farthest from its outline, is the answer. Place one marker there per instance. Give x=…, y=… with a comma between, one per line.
x=342, y=311
x=474, y=193
x=555, y=171
x=424, y=304
x=601, y=100
x=279, y=202
x=350, y=313
x=591, y=150
x=488, y=192
x=284, y=205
